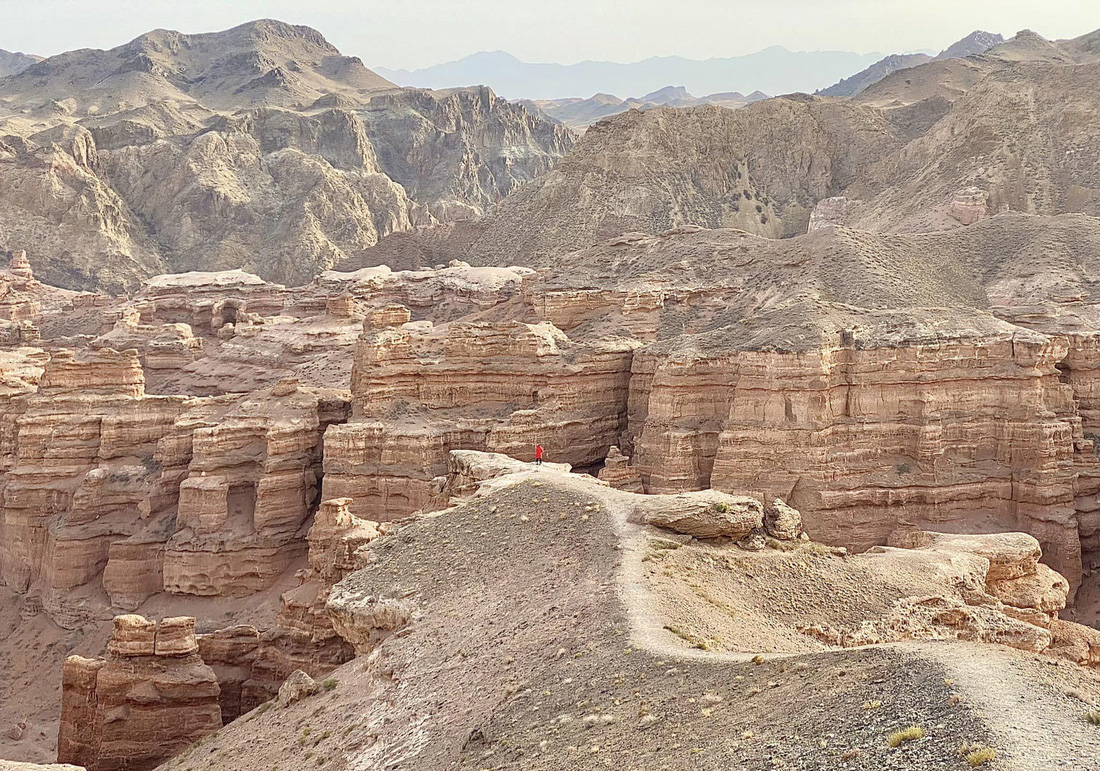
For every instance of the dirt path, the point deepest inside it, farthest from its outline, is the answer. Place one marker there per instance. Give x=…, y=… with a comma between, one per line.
x=1024, y=702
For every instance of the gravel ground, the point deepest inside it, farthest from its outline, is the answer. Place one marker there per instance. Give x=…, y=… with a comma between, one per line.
x=521, y=655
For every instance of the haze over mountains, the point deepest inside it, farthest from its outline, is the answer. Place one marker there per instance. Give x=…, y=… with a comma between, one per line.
x=785, y=71
x=774, y=70
x=578, y=114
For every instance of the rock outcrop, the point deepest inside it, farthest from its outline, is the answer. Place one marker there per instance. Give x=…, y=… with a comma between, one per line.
x=253, y=666
x=969, y=206
x=1009, y=460
x=1005, y=596
x=706, y=514
x=419, y=391
x=618, y=472
x=150, y=698
x=155, y=493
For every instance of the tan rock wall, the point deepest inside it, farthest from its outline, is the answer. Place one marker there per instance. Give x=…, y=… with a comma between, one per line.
x=967, y=434
x=150, y=698
x=420, y=392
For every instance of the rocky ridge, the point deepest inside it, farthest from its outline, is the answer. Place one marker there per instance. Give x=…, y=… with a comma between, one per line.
x=14, y=62
x=261, y=147
x=902, y=152
x=653, y=618
x=977, y=42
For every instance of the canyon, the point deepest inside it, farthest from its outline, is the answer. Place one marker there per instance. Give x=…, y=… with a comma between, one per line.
x=817, y=381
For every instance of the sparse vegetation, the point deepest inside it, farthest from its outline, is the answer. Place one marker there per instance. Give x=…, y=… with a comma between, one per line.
x=977, y=754
x=910, y=734
x=1093, y=716
x=721, y=507
x=329, y=684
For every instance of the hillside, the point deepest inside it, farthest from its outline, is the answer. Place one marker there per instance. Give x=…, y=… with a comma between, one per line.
x=12, y=63
x=259, y=147
x=975, y=43
x=652, y=659
x=934, y=147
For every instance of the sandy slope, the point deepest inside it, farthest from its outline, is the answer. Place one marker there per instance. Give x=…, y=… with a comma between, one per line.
x=534, y=644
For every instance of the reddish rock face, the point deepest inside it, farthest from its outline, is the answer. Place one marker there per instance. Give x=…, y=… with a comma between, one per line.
x=972, y=434
x=151, y=697
x=419, y=392
x=154, y=493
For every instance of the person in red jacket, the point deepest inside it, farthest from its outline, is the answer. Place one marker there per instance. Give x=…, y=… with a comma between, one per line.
x=538, y=454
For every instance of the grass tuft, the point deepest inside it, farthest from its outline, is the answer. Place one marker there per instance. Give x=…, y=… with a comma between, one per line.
x=910, y=734
x=977, y=754
x=1093, y=716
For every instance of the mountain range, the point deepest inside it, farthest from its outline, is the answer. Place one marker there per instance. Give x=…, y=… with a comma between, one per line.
x=976, y=42
x=579, y=114
x=774, y=70
x=927, y=148
x=260, y=147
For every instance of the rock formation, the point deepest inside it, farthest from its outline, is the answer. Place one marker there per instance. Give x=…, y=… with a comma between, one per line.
x=969, y=206
x=618, y=472
x=415, y=387
x=273, y=153
x=251, y=666
x=151, y=697
x=155, y=493
x=912, y=468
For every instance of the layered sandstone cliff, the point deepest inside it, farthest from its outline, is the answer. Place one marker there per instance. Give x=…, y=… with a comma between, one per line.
x=864, y=435
x=155, y=493
x=419, y=391
x=252, y=664
x=151, y=697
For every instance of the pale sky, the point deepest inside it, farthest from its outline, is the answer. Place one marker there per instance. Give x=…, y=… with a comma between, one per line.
x=417, y=33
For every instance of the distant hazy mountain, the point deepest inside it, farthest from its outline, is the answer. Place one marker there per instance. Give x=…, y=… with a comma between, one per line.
x=14, y=63
x=774, y=70
x=975, y=43
x=579, y=114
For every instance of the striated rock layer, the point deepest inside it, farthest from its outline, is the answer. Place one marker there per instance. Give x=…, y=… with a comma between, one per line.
x=151, y=697
x=968, y=432
x=419, y=391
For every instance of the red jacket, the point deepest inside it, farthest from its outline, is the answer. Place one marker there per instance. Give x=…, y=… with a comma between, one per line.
x=538, y=452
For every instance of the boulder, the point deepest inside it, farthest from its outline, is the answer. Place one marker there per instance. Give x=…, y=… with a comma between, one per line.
x=297, y=687
x=782, y=522
x=704, y=514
